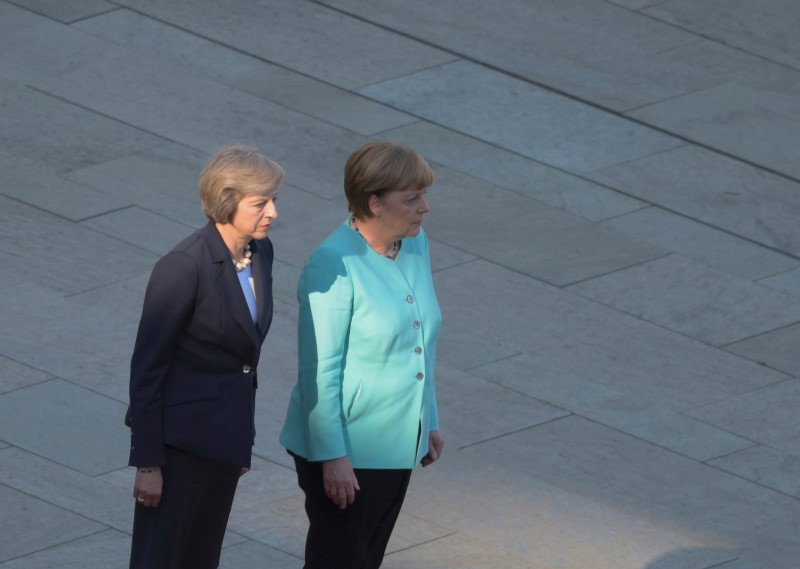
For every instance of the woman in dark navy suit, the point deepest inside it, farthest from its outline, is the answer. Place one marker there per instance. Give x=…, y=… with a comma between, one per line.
x=207, y=310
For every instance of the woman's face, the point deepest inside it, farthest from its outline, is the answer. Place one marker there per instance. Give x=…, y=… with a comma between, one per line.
x=254, y=215
x=401, y=211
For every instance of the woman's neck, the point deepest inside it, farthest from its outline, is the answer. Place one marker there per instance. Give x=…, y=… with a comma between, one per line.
x=234, y=241
x=375, y=235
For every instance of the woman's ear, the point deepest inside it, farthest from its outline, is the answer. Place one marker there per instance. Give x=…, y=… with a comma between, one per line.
x=375, y=205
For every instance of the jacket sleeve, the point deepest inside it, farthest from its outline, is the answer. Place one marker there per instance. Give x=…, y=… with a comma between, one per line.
x=168, y=308
x=325, y=295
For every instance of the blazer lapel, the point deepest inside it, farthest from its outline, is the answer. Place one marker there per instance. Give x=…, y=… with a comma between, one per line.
x=228, y=283
x=261, y=280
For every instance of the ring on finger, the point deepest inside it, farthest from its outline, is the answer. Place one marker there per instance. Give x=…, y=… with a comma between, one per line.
x=140, y=499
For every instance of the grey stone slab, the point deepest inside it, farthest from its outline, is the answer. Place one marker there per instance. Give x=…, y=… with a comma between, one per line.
x=514, y=172
x=788, y=282
x=88, y=339
x=66, y=12
x=741, y=564
x=702, y=558
x=330, y=46
x=36, y=525
x=582, y=197
x=456, y=552
x=565, y=45
x=59, y=135
x=766, y=466
x=656, y=487
x=28, y=182
x=250, y=74
x=716, y=190
x=698, y=241
x=520, y=117
x=776, y=349
x=35, y=46
x=120, y=301
x=255, y=554
x=284, y=282
x=67, y=257
x=637, y=4
x=524, y=234
x=167, y=99
x=162, y=179
x=763, y=28
x=689, y=297
x=611, y=407
x=767, y=415
x=108, y=549
x=17, y=272
x=304, y=220
x=443, y=256
x=277, y=374
x=593, y=341
x=753, y=120
x=266, y=482
x=141, y=228
x=280, y=524
x=530, y=513
x=472, y=410
x=14, y=375
x=463, y=349
x=73, y=491
x=66, y=424
x=412, y=531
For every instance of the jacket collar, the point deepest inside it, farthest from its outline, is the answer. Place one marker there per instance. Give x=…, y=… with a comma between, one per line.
x=227, y=282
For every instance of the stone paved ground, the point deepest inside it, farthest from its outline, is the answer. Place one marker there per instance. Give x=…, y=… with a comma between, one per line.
x=615, y=238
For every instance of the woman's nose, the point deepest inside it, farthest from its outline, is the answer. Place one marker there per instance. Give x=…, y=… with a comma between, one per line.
x=425, y=207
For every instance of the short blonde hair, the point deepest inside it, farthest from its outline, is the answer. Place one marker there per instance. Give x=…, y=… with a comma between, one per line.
x=379, y=167
x=232, y=173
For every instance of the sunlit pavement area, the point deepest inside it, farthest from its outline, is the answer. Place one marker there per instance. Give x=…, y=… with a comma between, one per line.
x=615, y=241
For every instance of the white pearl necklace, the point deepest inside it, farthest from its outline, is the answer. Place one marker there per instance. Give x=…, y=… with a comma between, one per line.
x=240, y=266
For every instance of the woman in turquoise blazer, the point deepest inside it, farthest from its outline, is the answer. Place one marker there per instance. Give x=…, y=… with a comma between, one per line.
x=363, y=412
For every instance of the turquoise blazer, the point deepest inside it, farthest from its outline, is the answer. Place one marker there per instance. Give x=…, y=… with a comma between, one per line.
x=367, y=353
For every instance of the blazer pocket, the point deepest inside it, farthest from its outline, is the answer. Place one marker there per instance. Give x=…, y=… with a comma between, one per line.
x=180, y=389
x=359, y=402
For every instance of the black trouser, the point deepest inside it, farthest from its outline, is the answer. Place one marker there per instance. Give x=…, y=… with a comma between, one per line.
x=356, y=537
x=185, y=531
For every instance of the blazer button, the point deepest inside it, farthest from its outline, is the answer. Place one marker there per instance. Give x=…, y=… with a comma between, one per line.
x=409, y=299
x=420, y=376
x=417, y=324
x=418, y=350
x=246, y=369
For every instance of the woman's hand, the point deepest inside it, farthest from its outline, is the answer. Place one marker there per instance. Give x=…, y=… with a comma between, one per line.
x=435, y=447
x=340, y=481
x=147, y=487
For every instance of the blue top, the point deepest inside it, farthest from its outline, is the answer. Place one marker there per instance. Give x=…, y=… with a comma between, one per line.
x=247, y=288
x=367, y=353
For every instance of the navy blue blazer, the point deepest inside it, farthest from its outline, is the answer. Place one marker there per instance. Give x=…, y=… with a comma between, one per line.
x=193, y=369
